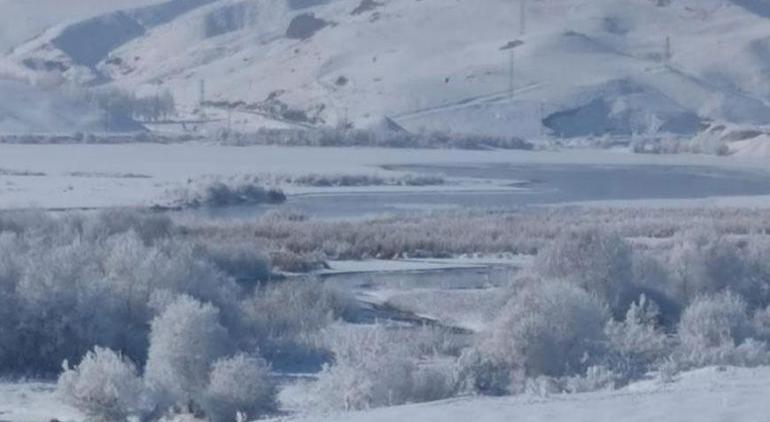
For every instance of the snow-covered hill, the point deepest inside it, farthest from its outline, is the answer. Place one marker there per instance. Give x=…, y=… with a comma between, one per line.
x=525, y=67
x=22, y=20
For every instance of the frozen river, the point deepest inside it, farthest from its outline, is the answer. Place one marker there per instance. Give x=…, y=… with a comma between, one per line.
x=535, y=185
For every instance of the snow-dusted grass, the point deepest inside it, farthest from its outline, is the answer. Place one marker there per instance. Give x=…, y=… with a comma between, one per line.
x=454, y=233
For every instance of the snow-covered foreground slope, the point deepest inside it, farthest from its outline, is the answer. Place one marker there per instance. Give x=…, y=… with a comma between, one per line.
x=33, y=402
x=707, y=395
x=580, y=67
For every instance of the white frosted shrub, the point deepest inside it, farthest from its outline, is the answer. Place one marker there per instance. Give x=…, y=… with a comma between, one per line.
x=649, y=273
x=240, y=385
x=372, y=369
x=653, y=280
x=596, y=378
x=480, y=373
x=150, y=227
x=548, y=328
x=599, y=262
x=282, y=320
x=435, y=380
x=59, y=296
x=714, y=321
x=72, y=281
x=639, y=339
x=758, y=257
x=243, y=260
x=717, y=330
x=105, y=386
x=10, y=246
x=368, y=371
x=761, y=324
x=185, y=340
x=705, y=263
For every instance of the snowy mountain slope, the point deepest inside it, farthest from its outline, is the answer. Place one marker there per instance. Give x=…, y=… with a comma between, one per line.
x=21, y=20
x=73, y=48
x=582, y=67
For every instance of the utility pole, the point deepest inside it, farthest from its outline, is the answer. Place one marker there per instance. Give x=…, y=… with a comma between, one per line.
x=346, y=119
x=523, y=16
x=541, y=119
x=668, y=54
x=202, y=99
x=511, y=75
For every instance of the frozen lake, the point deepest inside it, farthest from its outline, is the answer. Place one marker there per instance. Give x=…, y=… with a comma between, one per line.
x=545, y=184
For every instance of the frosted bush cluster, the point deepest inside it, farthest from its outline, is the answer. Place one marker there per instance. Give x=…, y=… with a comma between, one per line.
x=373, y=367
x=218, y=193
x=444, y=234
x=156, y=320
x=105, y=386
x=161, y=318
x=554, y=336
x=597, y=261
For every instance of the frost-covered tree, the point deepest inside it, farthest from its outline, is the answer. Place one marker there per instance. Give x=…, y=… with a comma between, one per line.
x=281, y=320
x=240, y=385
x=548, y=328
x=105, y=386
x=705, y=263
x=717, y=329
x=715, y=321
x=639, y=338
x=73, y=281
x=596, y=260
x=185, y=340
x=368, y=370
x=373, y=368
x=58, y=298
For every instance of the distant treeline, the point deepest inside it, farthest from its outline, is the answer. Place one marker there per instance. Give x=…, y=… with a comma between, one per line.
x=339, y=137
x=322, y=137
